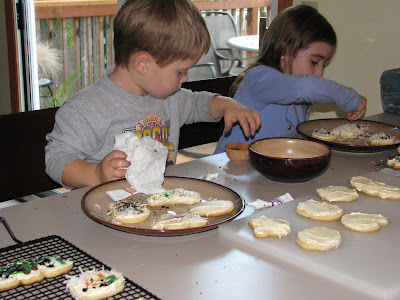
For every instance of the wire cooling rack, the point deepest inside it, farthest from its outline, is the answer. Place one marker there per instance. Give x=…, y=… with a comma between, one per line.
x=55, y=288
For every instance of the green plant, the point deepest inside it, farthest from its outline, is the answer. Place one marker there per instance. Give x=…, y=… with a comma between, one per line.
x=63, y=93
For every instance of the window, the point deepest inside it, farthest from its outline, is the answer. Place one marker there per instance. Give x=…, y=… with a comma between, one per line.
x=62, y=46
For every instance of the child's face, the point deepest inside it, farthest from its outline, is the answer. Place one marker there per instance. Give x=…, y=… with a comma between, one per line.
x=311, y=60
x=165, y=81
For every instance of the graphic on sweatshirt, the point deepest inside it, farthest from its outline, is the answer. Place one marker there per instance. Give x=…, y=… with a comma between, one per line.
x=157, y=128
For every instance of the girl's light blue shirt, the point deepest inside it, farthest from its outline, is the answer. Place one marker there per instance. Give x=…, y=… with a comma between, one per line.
x=284, y=100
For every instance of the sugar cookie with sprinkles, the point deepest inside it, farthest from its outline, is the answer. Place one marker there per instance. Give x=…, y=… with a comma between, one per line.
x=127, y=212
x=178, y=196
x=382, y=139
x=23, y=272
x=95, y=284
x=53, y=266
x=324, y=135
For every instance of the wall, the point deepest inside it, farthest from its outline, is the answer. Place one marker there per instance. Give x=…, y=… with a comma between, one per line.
x=5, y=97
x=368, y=44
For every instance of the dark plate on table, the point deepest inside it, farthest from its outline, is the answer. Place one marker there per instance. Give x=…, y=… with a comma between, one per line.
x=352, y=145
x=95, y=204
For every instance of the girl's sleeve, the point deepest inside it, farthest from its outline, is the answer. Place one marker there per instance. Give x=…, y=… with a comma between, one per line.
x=271, y=86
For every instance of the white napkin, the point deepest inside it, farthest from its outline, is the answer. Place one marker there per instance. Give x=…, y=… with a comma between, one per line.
x=148, y=159
x=258, y=203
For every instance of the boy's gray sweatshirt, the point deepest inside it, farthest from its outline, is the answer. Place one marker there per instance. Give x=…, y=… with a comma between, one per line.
x=86, y=125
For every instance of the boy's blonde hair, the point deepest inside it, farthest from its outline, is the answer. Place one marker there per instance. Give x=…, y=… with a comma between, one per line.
x=169, y=30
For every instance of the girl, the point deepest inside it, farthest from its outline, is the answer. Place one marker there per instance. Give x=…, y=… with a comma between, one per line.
x=286, y=77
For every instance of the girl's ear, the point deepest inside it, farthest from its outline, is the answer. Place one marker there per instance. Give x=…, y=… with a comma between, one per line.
x=285, y=63
x=140, y=61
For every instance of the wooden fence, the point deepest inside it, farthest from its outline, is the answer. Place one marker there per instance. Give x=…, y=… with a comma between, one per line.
x=84, y=36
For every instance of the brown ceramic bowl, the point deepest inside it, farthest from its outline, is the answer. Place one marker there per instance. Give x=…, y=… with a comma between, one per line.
x=289, y=159
x=238, y=152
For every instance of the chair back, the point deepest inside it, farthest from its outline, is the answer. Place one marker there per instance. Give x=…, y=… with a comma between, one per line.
x=23, y=168
x=222, y=27
x=205, y=67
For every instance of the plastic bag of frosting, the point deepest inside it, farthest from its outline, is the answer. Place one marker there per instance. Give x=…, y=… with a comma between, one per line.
x=148, y=159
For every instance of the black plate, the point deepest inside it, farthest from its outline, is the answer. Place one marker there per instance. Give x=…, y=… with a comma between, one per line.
x=306, y=129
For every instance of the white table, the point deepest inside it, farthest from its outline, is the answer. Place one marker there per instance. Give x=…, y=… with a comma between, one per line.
x=245, y=42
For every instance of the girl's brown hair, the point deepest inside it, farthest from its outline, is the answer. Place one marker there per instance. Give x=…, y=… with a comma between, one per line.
x=295, y=28
x=169, y=30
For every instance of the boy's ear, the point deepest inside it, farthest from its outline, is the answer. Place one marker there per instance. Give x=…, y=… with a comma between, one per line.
x=140, y=61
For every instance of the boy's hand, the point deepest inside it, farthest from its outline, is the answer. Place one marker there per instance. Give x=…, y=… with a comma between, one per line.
x=233, y=112
x=110, y=168
x=359, y=112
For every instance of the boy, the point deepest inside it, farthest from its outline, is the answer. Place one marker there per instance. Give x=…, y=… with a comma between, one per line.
x=156, y=42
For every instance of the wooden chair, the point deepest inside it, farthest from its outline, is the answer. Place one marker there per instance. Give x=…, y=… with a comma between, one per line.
x=22, y=171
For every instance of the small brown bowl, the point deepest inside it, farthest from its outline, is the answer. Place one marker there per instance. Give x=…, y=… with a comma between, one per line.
x=238, y=152
x=289, y=159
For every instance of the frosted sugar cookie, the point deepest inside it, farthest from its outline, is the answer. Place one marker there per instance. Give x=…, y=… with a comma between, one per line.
x=318, y=239
x=53, y=266
x=264, y=227
x=321, y=211
x=324, y=135
x=381, y=139
x=337, y=194
x=212, y=208
x=177, y=196
x=126, y=212
x=375, y=188
x=363, y=222
x=21, y=272
x=95, y=284
x=182, y=221
x=394, y=163
x=349, y=131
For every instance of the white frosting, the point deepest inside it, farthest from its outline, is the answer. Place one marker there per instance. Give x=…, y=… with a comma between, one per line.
x=320, y=237
x=212, y=207
x=266, y=226
x=174, y=197
x=319, y=209
x=364, y=222
x=337, y=193
x=375, y=188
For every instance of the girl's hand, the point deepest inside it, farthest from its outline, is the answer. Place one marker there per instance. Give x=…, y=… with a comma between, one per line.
x=112, y=166
x=359, y=112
